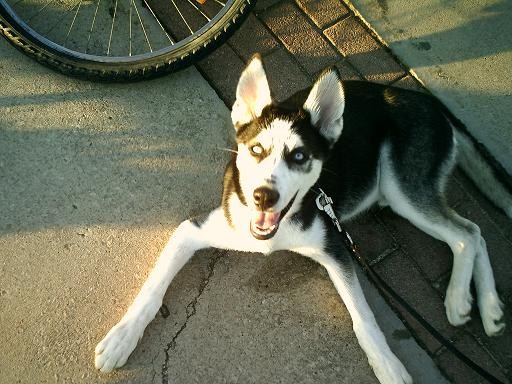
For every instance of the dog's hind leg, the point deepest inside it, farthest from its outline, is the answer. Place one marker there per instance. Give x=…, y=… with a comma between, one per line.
x=489, y=304
x=120, y=341
x=430, y=214
x=386, y=366
x=427, y=211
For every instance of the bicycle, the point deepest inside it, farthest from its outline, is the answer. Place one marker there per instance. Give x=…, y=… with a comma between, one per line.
x=119, y=40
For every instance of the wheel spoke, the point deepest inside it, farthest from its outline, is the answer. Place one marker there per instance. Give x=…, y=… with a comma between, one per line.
x=92, y=26
x=158, y=21
x=17, y=3
x=142, y=26
x=61, y=19
x=198, y=10
x=181, y=15
x=112, y=29
x=72, y=23
x=39, y=11
x=130, y=29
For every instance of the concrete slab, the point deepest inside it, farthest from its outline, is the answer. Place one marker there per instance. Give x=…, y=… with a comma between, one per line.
x=93, y=177
x=462, y=52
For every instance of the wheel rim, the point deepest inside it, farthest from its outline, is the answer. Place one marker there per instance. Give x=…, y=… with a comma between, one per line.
x=117, y=31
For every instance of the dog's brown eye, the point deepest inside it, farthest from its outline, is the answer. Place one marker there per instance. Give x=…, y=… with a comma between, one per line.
x=256, y=149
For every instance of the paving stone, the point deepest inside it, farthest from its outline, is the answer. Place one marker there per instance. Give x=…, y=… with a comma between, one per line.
x=252, y=37
x=459, y=373
x=222, y=69
x=284, y=75
x=378, y=66
x=409, y=82
x=400, y=273
x=263, y=5
x=432, y=256
x=502, y=221
x=455, y=192
x=350, y=37
x=299, y=37
x=373, y=240
x=428, y=342
x=363, y=51
x=347, y=71
x=323, y=12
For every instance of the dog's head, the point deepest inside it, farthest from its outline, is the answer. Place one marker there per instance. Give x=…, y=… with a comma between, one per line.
x=281, y=147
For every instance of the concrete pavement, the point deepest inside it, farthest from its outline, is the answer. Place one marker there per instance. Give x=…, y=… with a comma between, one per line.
x=462, y=52
x=93, y=177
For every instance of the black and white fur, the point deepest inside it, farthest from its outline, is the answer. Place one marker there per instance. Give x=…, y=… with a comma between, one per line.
x=362, y=143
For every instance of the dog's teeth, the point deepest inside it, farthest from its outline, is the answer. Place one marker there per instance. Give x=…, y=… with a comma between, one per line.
x=265, y=231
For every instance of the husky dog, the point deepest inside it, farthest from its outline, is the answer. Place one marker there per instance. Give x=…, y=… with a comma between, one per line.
x=361, y=143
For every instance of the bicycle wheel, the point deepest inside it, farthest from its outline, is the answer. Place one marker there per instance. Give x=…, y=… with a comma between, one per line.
x=119, y=40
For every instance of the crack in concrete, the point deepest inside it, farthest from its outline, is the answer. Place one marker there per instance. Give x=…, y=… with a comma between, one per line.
x=191, y=311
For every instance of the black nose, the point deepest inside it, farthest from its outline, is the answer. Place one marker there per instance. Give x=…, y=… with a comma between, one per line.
x=265, y=198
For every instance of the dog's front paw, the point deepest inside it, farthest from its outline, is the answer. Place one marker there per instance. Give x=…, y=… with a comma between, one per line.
x=113, y=351
x=389, y=370
x=458, y=305
x=491, y=311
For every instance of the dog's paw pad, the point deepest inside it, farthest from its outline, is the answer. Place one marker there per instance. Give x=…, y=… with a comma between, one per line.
x=113, y=351
x=458, y=306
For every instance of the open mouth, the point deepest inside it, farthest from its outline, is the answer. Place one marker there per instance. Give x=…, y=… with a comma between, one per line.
x=264, y=225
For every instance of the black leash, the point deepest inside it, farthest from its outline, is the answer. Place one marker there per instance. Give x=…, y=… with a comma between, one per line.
x=324, y=203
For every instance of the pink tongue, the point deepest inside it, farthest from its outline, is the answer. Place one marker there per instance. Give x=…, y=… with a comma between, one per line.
x=265, y=220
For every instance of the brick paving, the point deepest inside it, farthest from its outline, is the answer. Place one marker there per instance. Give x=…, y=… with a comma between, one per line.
x=297, y=39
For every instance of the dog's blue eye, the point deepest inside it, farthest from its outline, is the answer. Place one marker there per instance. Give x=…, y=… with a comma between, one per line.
x=256, y=149
x=299, y=156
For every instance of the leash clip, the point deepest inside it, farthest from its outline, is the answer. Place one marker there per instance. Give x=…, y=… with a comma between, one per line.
x=324, y=203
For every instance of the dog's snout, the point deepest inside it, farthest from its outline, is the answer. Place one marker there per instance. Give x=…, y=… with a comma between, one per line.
x=265, y=198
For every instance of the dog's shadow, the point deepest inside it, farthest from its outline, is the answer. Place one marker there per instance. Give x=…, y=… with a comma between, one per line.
x=285, y=271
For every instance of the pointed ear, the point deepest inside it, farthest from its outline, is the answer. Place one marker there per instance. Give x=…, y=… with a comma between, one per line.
x=326, y=103
x=252, y=93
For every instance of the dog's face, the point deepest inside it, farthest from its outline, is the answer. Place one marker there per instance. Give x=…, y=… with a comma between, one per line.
x=281, y=149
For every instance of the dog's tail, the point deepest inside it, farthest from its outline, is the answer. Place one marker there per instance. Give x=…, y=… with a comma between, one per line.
x=474, y=159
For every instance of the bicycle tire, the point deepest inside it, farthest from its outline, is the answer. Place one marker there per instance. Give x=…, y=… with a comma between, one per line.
x=123, y=68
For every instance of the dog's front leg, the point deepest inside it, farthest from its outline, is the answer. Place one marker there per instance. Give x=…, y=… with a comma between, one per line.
x=120, y=341
x=386, y=366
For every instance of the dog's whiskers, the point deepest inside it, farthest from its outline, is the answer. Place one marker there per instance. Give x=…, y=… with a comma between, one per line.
x=227, y=149
x=329, y=171
x=315, y=191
